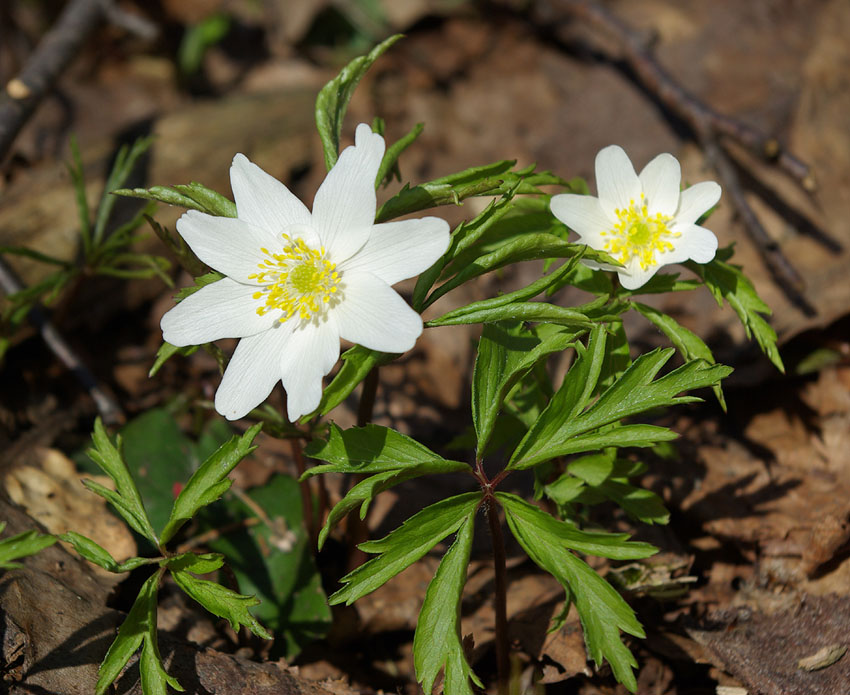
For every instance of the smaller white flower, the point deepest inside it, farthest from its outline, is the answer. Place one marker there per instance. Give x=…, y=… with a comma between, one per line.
x=296, y=282
x=644, y=221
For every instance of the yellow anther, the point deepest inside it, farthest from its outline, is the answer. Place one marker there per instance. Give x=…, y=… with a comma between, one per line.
x=637, y=234
x=299, y=280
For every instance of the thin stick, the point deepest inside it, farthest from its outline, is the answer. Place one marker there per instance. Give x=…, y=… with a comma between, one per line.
x=306, y=494
x=108, y=408
x=54, y=53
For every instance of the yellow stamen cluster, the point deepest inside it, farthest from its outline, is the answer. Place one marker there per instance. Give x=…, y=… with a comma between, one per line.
x=639, y=235
x=298, y=280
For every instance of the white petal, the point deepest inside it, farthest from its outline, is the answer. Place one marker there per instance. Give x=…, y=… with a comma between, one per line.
x=226, y=244
x=345, y=204
x=638, y=278
x=696, y=243
x=224, y=309
x=399, y=250
x=696, y=201
x=616, y=180
x=310, y=353
x=252, y=372
x=660, y=180
x=583, y=214
x=262, y=200
x=373, y=315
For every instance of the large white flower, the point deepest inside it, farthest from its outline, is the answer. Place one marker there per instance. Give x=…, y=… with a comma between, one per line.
x=296, y=282
x=644, y=221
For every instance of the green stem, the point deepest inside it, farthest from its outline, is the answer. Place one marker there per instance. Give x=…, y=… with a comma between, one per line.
x=367, y=398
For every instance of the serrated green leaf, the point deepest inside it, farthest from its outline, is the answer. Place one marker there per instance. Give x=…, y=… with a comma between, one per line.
x=130, y=635
x=615, y=546
x=520, y=295
x=688, y=343
x=506, y=352
x=520, y=311
x=332, y=102
x=222, y=602
x=602, y=610
x=404, y=546
x=390, y=455
x=373, y=449
x=22, y=545
x=190, y=562
x=209, y=482
x=437, y=641
x=726, y=281
x=90, y=550
x=448, y=190
x=193, y=196
x=634, y=392
x=126, y=498
x=528, y=247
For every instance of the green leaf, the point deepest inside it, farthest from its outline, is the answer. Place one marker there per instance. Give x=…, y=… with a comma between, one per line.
x=126, y=498
x=726, y=281
x=634, y=392
x=209, y=482
x=614, y=546
x=529, y=247
x=190, y=562
x=373, y=449
x=689, y=344
x=520, y=311
x=437, y=642
x=502, y=300
x=139, y=626
x=602, y=610
x=166, y=352
x=198, y=38
x=506, y=352
x=222, y=602
x=193, y=196
x=21, y=545
x=162, y=458
x=389, y=164
x=332, y=102
x=273, y=560
x=404, y=546
x=448, y=190
x=590, y=479
x=90, y=550
x=392, y=456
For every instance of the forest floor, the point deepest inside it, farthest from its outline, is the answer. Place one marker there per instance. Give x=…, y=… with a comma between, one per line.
x=754, y=569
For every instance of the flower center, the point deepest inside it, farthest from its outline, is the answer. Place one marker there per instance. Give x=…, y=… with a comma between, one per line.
x=300, y=280
x=639, y=235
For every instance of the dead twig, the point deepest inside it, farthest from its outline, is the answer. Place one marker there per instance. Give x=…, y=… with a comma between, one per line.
x=18, y=102
x=709, y=128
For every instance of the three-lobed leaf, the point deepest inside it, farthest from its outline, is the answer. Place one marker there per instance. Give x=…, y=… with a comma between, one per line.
x=405, y=545
x=602, y=611
x=634, y=392
x=221, y=601
x=389, y=456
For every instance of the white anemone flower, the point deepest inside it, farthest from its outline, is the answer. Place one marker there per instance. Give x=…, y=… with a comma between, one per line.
x=296, y=282
x=644, y=220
